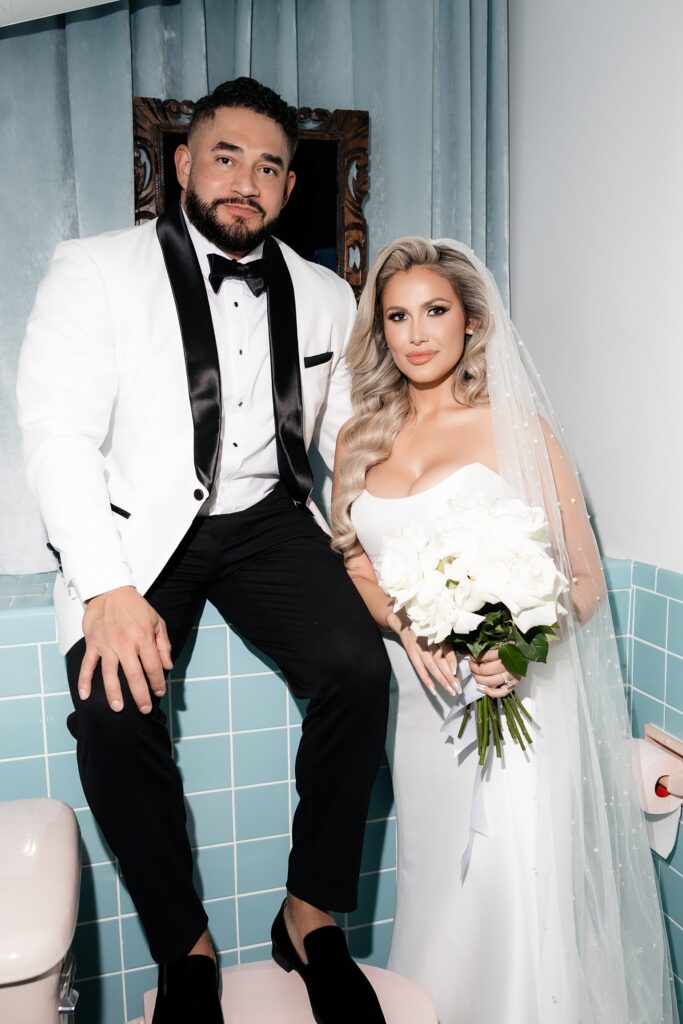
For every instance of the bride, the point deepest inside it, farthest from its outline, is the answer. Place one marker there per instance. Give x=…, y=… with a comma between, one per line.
x=526, y=892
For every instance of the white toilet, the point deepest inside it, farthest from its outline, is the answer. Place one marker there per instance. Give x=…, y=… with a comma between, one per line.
x=40, y=872
x=261, y=993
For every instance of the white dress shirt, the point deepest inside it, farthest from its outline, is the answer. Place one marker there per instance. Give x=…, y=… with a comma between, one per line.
x=247, y=466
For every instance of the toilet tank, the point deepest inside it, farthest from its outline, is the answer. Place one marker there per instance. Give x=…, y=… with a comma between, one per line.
x=40, y=872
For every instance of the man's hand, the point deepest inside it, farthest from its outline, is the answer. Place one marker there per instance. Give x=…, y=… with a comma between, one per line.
x=121, y=628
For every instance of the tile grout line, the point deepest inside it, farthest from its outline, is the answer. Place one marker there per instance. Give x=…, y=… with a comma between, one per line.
x=44, y=723
x=666, y=664
x=120, y=929
x=232, y=794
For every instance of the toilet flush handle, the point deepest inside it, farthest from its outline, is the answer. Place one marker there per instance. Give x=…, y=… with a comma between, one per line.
x=68, y=996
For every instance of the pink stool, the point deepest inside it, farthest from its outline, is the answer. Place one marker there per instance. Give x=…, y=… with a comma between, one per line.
x=262, y=993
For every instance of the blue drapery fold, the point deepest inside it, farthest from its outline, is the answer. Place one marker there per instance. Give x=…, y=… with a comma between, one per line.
x=432, y=73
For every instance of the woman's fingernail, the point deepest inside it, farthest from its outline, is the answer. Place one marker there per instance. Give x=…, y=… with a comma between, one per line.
x=159, y=693
x=482, y=689
x=146, y=708
x=116, y=705
x=82, y=693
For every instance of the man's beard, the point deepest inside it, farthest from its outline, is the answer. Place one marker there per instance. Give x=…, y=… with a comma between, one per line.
x=235, y=238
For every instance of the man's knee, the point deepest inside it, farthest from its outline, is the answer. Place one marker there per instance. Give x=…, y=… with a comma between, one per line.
x=357, y=671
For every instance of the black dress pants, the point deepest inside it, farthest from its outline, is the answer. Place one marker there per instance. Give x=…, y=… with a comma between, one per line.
x=271, y=573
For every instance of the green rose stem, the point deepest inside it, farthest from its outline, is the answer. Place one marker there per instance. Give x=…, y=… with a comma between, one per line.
x=485, y=729
x=512, y=726
x=519, y=720
x=520, y=707
x=495, y=722
x=465, y=719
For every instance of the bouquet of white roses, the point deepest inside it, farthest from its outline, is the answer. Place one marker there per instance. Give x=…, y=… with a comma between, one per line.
x=482, y=580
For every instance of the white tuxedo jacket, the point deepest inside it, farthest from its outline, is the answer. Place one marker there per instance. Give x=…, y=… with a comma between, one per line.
x=111, y=408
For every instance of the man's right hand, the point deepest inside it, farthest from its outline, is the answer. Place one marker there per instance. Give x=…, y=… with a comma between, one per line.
x=121, y=628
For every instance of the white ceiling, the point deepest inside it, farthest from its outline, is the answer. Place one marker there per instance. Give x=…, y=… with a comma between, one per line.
x=14, y=11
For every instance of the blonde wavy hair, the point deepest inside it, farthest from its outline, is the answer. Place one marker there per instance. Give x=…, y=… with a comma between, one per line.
x=379, y=391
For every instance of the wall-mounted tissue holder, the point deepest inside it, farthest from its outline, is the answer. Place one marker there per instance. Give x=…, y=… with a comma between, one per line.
x=658, y=766
x=673, y=781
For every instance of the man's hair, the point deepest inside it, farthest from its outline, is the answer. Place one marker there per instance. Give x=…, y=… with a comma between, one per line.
x=251, y=95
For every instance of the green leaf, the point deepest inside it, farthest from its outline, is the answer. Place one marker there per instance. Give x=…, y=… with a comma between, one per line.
x=539, y=648
x=513, y=659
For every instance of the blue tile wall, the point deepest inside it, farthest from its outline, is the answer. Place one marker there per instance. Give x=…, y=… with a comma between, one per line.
x=655, y=678
x=235, y=731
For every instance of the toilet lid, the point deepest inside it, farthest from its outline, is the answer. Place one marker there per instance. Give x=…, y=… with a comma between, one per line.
x=261, y=993
x=40, y=873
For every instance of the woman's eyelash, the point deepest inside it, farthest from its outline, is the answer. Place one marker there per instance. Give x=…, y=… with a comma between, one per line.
x=433, y=310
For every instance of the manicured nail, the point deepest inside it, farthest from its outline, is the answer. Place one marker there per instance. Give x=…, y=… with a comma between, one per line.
x=159, y=693
x=82, y=693
x=146, y=708
x=482, y=689
x=116, y=705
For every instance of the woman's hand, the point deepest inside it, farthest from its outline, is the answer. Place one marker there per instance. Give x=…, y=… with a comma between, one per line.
x=438, y=661
x=491, y=676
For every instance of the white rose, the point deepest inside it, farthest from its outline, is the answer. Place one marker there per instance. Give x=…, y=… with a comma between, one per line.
x=406, y=555
x=472, y=519
x=513, y=518
x=430, y=610
x=535, y=588
x=543, y=615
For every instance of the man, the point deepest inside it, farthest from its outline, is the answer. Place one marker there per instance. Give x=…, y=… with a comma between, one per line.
x=172, y=378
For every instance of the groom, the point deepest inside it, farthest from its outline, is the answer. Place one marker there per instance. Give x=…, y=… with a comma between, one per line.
x=171, y=380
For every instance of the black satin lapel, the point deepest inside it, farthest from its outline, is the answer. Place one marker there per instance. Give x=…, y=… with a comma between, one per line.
x=199, y=340
x=295, y=469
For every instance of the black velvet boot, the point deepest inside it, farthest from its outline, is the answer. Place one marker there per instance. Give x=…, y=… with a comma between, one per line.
x=337, y=988
x=188, y=992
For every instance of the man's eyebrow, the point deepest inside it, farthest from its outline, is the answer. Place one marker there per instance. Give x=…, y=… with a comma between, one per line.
x=273, y=159
x=231, y=147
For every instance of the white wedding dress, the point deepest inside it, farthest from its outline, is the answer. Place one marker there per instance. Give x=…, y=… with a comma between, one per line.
x=471, y=944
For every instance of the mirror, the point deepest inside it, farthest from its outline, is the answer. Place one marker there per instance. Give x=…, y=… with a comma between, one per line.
x=324, y=220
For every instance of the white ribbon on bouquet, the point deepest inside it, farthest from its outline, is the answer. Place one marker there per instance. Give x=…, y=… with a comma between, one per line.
x=451, y=727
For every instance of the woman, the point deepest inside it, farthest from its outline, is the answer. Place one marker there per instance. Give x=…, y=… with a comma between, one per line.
x=526, y=891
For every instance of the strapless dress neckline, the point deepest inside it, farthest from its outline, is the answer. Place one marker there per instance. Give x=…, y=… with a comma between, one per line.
x=438, y=484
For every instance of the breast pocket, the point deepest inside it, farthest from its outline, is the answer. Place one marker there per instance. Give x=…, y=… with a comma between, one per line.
x=317, y=360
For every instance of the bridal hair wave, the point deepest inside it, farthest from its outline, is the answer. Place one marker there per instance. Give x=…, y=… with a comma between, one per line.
x=379, y=391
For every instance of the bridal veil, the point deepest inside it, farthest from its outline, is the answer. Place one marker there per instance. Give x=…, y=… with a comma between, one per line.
x=602, y=953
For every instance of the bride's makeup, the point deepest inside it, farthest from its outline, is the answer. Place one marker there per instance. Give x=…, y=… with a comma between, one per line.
x=424, y=324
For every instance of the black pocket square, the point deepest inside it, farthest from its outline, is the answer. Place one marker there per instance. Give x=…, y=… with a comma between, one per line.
x=322, y=357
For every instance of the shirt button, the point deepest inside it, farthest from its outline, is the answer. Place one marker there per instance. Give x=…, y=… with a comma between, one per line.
x=198, y=494
x=241, y=352
x=234, y=444
x=237, y=304
x=240, y=405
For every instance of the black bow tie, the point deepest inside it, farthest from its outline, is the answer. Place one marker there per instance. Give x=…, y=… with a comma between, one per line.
x=252, y=273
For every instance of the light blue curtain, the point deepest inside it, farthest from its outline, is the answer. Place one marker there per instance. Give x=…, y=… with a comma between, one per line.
x=432, y=73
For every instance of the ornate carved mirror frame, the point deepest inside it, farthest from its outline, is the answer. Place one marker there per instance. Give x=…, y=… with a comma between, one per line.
x=159, y=126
